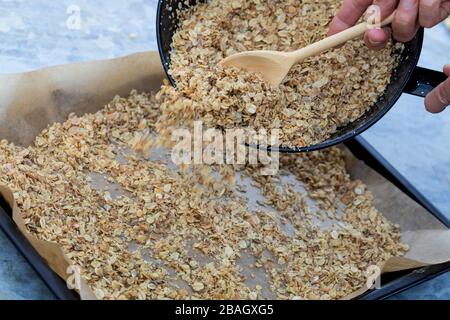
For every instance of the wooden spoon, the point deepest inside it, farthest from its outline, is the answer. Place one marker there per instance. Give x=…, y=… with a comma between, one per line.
x=275, y=65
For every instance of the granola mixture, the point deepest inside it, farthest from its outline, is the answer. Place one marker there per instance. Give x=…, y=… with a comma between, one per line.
x=145, y=229
x=151, y=231
x=320, y=95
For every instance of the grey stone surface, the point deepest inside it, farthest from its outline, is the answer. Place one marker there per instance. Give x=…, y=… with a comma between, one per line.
x=41, y=33
x=17, y=279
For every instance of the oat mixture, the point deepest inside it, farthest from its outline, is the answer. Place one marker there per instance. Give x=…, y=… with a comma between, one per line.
x=145, y=229
x=178, y=235
x=318, y=96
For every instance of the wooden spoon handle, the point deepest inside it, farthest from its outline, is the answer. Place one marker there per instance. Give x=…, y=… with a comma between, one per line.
x=335, y=40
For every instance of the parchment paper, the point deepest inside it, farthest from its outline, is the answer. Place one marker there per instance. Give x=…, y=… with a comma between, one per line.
x=31, y=101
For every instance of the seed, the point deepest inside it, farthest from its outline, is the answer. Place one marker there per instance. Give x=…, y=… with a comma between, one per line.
x=198, y=286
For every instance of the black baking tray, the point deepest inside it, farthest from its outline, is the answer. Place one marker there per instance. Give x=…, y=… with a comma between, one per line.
x=391, y=283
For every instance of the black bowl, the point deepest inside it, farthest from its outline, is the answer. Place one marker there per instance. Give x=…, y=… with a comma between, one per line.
x=168, y=22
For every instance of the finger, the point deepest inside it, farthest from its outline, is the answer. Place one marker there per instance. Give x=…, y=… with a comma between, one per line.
x=447, y=70
x=346, y=17
x=405, y=23
x=439, y=98
x=429, y=13
x=377, y=38
x=445, y=10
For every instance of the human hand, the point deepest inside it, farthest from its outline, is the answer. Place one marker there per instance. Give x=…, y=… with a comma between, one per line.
x=410, y=15
x=438, y=99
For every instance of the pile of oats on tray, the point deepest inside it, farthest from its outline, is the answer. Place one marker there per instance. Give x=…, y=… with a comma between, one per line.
x=319, y=95
x=142, y=228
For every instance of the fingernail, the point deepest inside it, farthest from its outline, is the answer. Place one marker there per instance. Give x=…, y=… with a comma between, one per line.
x=447, y=69
x=376, y=43
x=371, y=34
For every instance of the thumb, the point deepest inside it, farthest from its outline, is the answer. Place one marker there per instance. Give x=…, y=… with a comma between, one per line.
x=438, y=99
x=447, y=70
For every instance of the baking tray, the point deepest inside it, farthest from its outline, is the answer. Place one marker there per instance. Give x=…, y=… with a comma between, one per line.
x=391, y=283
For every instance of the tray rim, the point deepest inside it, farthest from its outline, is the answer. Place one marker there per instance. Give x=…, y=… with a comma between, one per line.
x=367, y=153
x=54, y=283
